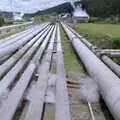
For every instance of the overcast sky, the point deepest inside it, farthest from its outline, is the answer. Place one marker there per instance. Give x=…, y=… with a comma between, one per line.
x=29, y=6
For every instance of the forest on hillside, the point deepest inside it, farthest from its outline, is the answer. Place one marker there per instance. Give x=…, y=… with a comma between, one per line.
x=102, y=8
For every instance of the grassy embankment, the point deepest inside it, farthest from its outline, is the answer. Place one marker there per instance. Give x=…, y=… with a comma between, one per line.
x=102, y=35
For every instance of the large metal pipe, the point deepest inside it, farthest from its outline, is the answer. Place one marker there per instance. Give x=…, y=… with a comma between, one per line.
x=105, y=57
x=20, y=36
x=13, y=27
x=112, y=53
x=15, y=36
x=10, y=41
x=112, y=65
x=108, y=52
x=108, y=82
x=13, y=47
x=35, y=108
x=11, y=75
x=13, y=59
x=62, y=100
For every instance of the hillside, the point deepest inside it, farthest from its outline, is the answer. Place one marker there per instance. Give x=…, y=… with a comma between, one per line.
x=63, y=8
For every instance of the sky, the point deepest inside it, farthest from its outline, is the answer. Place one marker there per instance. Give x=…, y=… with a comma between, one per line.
x=29, y=6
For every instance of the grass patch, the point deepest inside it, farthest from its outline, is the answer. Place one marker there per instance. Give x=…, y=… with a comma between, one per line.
x=98, y=34
x=109, y=29
x=74, y=68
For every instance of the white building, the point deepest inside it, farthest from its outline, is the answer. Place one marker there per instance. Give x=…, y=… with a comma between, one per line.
x=18, y=15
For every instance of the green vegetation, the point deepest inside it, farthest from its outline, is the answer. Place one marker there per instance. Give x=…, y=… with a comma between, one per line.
x=116, y=42
x=102, y=35
x=37, y=20
x=74, y=68
x=102, y=8
x=109, y=29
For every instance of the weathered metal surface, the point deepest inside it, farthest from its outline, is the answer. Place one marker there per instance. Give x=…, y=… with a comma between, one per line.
x=11, y=75
x=13, y=59
x=62, y=102
x=16, y=45
x=16, y=94
x=38, y=92
x=17, y=35
x=14, y=39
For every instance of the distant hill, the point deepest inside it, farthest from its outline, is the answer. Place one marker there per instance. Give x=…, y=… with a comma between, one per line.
x=63, y=8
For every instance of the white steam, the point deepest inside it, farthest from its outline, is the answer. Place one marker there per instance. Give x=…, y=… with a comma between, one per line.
x=89, y=90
